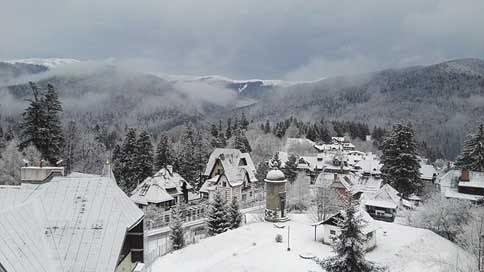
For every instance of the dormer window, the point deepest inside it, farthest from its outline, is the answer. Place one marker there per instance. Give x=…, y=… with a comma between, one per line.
x=243, y=162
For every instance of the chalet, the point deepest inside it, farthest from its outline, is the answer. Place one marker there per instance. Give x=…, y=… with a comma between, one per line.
x=383, y=204
x=332, y=229
x=462, y=184
x=163, y=190
x=349, y=184
x=230, y=172
x=78, y=222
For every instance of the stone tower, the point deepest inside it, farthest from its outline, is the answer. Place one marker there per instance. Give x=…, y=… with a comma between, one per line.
x=275, y=184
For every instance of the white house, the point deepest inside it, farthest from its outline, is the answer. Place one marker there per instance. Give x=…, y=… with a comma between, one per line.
x=332, y=229
x=164, y=189
x=232, y=173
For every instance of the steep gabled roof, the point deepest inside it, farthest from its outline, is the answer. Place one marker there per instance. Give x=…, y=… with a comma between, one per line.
x=154, y=189
x=231, y=163
x=386, y=197
x=73, y=223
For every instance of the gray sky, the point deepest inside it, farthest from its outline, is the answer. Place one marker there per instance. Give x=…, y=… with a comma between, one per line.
x=298, y=40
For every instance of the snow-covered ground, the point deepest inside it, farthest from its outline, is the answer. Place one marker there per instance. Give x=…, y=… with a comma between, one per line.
x=253, y=248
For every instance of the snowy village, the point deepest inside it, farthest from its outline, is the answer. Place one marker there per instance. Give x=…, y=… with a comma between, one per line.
x=313, y=205
x=241, y=136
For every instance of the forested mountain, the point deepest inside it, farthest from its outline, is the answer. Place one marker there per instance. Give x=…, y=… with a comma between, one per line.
x=443, y=101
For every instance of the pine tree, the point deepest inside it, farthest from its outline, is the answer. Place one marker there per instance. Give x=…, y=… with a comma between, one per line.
x=349, y=246
x=290, y=169
x=41, y=125
x=267, y=127
x=218, y=220
x=214, y=131
x=275, y=161
x=125, y=162
x=177, y=233
x=401, y=167
x=164, y=153
x=34, y=121
x=244, y=123
x=53, y=108
x=188, y=159
x=3, y=143
x=262, y=170
x=228, y=132
x=144, y=157
x=472, y=154
x=241, y=142
x=235, y=217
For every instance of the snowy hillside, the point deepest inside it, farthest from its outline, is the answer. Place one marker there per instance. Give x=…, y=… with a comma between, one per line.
x=47, y=62
x=252, y=248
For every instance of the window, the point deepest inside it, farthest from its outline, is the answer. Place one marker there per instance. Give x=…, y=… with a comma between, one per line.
x=244, y=197
x=167, y=218
x=242, y=162
x=332, y=232
x=369, y=236
x=250, y=194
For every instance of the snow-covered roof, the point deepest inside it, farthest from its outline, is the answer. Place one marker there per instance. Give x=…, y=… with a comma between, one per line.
x=154, y=189
x=386, y=197
x=275, y=175
x=370, y=164
x=338, y=139
x=295, y=142
x=370, y=224
x=427, y=171
x=328, y=147
x=73, y=223
x=232, y=163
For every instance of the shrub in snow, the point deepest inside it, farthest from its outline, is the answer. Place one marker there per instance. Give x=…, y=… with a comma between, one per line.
x=279, y=238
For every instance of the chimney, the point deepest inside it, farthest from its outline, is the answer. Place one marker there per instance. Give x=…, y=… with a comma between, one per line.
x=41, y=162
x=40, y=174
x=464, y=176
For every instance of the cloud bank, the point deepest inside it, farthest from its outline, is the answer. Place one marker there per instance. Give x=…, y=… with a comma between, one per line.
x=287, y=39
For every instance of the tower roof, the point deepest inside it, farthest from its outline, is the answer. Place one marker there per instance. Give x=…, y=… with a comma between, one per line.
x=275, y=175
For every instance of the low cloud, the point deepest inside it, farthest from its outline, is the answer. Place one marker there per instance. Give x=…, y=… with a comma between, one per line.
x=245, y=38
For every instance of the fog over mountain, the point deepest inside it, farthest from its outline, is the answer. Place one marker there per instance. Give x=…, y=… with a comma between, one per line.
x=443, y=101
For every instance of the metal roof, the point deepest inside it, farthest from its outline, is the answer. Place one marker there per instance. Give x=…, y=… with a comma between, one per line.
x=73, y=223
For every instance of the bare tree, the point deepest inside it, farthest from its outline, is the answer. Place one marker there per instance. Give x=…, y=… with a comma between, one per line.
x=472, y=236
